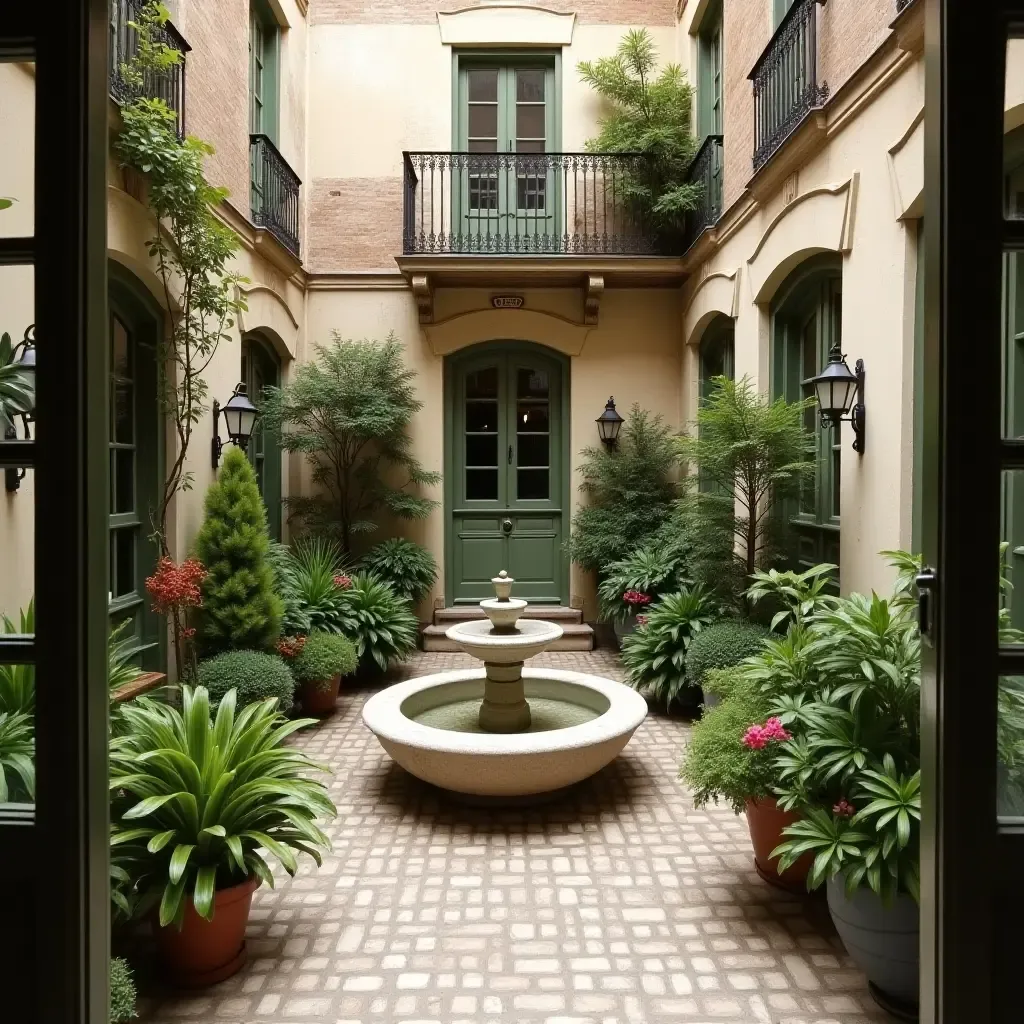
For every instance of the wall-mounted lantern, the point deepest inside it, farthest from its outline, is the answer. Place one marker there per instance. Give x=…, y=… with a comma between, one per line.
x=609, y=423
x=23, y=358
x=239, y=417
x=840, y=395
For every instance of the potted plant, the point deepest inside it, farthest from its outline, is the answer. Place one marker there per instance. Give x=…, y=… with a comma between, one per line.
x=630, y=584
x=852, y=768
x=199, y=805
x=730, y=757
x=318, y=662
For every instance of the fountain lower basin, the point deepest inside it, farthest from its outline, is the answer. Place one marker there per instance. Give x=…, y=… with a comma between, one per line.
x=502, y=765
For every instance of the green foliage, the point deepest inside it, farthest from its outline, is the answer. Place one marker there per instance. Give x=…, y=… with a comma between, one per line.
x=800, y=593
x=17, y=757
x=255, y=676
x=202, y=801
x=655, y=569
x=121, y=653
x=722, y=681
x=295, y=618
x=717, y=764
x=240, y=610
x=654, y=655
x=722, y=644
x=17, y=392
x=348, y=412
x=630, y=491
x=18, y=682
x=309, y=575
x=192, y=249
x=649, y=113
x=379, y=622
x=323, y=656
x=409, y=567
x=122, y=992
x=750, y=454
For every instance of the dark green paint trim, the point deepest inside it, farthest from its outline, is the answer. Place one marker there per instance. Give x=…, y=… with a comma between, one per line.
x=260, y=362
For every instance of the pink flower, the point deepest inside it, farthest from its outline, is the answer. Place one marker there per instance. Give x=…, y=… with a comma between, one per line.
x=344, y=582
x=754, y=738
x=635, y=597
x=774, y=730
x=641, y=620
x=844, y=809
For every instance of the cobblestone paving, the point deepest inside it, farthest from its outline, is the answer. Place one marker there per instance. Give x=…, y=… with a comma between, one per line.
x=618, y=905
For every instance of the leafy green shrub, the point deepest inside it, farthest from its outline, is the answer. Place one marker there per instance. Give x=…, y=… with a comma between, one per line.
x=122, y=992
x=17, y=388
x=408, y=567
x=654, y=655
x=653, y=570
x=323, y=656
x=630, y=490
x=722, y=681
x=17, y=762
x=379, y=623
x=717, y=764
x=18, y=682
x=240, y=610
x=253, y=792
x=314, y=573
x=650, y=114
x=348, y=412
x=722, y=644
x=295, y=618
x=255, y=675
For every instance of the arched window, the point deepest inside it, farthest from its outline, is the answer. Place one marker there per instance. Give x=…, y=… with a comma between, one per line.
x=136, y=459
x=806, y=323
x=261, y=368
x=716, y=352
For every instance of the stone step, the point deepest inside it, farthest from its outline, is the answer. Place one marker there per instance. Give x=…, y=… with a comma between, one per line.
x=468, y=612
x=576, y=636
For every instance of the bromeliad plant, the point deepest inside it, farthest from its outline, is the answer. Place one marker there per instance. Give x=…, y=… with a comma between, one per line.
x=17, y=763
x=379, y=623
x=200, y=803
x=18, y=682
x=408, y=567
x=648, y=571
x=655, y=654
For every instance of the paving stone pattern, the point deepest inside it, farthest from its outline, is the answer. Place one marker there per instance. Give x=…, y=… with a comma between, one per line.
x=618, y=905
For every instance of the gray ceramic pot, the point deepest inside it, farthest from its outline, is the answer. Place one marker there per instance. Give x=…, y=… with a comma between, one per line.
x=883, y=940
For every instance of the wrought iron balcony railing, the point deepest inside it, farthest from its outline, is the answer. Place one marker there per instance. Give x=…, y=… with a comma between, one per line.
x=274, y=192
x=124, y=44
x=706, y=171
x=785, y=77
x=541, y=203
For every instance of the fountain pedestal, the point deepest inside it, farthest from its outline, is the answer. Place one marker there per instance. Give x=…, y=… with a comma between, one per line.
x=504, y=708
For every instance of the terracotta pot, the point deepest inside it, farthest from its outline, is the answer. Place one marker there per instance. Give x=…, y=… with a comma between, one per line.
x=319, y=698
x=766, y=820
x=205, y=952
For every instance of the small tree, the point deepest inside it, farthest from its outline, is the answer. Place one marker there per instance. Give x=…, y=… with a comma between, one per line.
x=240, y=609
x=650, y=114
x=349, y=414
x=750, y=455
x=631, y=490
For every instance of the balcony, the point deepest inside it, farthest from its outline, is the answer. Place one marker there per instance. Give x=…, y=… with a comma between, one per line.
x=124, y=44
x=785, y=77
x=274, y=193
x=706, y=170
x=555, y=204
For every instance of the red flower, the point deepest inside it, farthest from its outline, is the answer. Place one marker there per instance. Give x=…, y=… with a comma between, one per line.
x=290, y=646
x=641, y=620
x=176, y=586
x=844, y=809
x=635, y=597
x=344, y=582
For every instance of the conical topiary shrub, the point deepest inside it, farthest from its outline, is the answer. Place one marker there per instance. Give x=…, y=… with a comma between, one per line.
x=240, y=609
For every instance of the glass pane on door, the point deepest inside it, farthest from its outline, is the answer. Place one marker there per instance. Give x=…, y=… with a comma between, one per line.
x=533, y=435
x=481, y=435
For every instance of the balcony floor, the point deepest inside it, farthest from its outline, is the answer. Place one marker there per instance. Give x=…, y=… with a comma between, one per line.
x=620, y=905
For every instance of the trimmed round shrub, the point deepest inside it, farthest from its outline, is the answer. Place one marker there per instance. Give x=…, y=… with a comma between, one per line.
x=408, y=567
x=323, y=656
x=255, y=675
x=122, y=992
x=721, y=645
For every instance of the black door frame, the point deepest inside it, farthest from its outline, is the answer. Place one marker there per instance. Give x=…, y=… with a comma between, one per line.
x=54, y=917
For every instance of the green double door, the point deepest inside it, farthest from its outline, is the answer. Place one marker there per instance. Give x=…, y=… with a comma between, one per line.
x=506, y=490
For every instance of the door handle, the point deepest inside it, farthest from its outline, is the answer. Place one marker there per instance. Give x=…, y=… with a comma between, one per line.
x=511, y=455
x=927, y=583
x=506, y=526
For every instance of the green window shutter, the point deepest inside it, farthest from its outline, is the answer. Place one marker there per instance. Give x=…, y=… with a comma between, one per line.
x=264, y=71
x=709, y=72
x=779, y=9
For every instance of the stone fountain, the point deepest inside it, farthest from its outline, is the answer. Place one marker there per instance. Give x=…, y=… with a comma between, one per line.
x=505, y=731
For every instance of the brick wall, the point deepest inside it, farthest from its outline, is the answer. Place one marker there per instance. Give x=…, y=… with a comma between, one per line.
x=356, y=224
x=217, y=89
x=371, y=12
x=849, y=32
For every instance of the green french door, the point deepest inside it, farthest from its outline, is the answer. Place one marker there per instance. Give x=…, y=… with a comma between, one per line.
x=505, y=197
x=506, y=465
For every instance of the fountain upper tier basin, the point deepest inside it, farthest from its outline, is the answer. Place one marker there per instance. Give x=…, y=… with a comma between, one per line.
x=505, y=765
x=478, y=638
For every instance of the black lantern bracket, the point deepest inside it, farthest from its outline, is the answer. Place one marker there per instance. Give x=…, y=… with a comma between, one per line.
x=858, y=413
x=216, y=445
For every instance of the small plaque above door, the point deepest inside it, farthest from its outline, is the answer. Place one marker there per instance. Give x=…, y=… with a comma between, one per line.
x=507, y=301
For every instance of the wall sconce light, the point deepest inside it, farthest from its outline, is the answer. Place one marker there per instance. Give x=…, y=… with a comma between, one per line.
x=239, y=416
x=23, y=358
x=609, y=423
x=838, y=392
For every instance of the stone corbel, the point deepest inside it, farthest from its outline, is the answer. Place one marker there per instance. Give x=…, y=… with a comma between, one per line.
x=423, y=292
x=592, y=292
